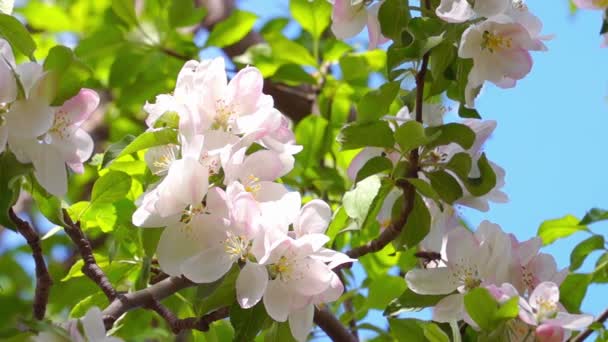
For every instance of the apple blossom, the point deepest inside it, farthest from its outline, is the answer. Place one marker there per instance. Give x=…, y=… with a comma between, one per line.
x=349, y=17
x=500, y=53
x=458, y=11
x=532, y=267
x=543, y=310
x=8, y=84
x=591, y=4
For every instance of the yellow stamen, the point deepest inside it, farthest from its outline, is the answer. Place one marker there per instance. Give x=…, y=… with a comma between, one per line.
x=495, y=42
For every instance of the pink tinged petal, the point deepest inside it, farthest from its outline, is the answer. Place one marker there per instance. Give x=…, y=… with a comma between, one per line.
x=186, y=183
x=216, y=202
x=333, y=292
x=266, y=165
x=454, y=11
x=587, y=4
x=8, y=84
x=527, y=250
x=81, y=147
x=450, y=308
x=277, y=300
x=30, y=118
x=549, y=333
x=544, y=292
x=245, y=90
x=251, y=284
x=209, y=265
x=177, y=244
x=50, y=171
x=483, y=129
x=80, y=107
x=515, y=64
x=571, y=321
x=315, y=241
x=311, y=278
x=314, y=218
x=489, y=8
x=92, y=323
x=373, y=27
x=29, y=73
x=461, y=245
x=361, y=158
x=526, y=313
x=348, y=20
x=300, y=322
x=431, y=281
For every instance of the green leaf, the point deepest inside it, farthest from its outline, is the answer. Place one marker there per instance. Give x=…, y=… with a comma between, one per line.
x=358, y=135
x=465, y=112
x=312, y=15
x=445, y=185
x=115, y=149
x=394, y=16
x=461, y=165
x=560, y=228
x=594, y=215
x=286, y=50
x=184, y=13
x=583, y=249
x=383, y=290
x=358, y=201
x=360, y=65
x=457, y=133
x=433, y=333
x=408, y=329
x=70, y=73
x=46, y=16
x=11, y=172
x=339, y=221
x=247, y=322
x=508, y=310
x=150, y=238
x=411, y=135
x=417, y=226
x=425, y=189
x=374, y=166
x=125, y=10
x=572, y=291
x=159, y=137
x=375, y=104
x=309, y=133
x=224, y=294
x=442, y=56
x=232, y=29
x=600, y=274
x=49, y=205
x=482, y=307
x=110, y=188
x=97, y=299
x=293, y=75
x=17, y=35
x=279, y=332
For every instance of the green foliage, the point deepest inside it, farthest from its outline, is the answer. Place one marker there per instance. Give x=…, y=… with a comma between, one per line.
x=594, y=215
x=486, y=312
x=383, y=290
x=358, y=135
x=183, y=13
x=394, y=16
x=71, y=73
x=125, y=10
x=374, y=166
x=451, y=133
x=560, y=228
x=417, y=226
x=313, y=16
x=231, y=30
x=11, y=172
x=375, y=104
x=445, y=185
x=573, y=290
x=410, y=329
x=412, y=135
x=358, y=201
x=14, y=32
x=461, y=164
x=583, y=249
x=247, y=322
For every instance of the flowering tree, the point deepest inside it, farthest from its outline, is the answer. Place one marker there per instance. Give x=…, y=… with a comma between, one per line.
x=244, y=196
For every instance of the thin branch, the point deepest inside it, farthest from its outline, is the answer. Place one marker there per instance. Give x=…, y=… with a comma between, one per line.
x=143, y=298
x=43, y=278
x=582, y=336
x=178, y=325
x=332, y=326
x=90, y=267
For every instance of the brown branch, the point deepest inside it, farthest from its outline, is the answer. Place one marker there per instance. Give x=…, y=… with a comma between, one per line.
x=394, y=230
x=582, y=336
x=332, y=326
x=143, y=298
x=178, y=325
x=43, y=278
x=90, y=267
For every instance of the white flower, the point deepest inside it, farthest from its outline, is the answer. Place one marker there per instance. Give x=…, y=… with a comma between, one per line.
x=458, y=11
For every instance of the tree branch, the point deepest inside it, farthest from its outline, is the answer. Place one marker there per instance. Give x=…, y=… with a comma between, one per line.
x=583, y=336
x=43, y=278
x=178, y=325
x=90, y=267
x=332, y=326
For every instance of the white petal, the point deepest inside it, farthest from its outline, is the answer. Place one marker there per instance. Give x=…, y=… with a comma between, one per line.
x=432, y=281
x=93, y=324
x=455, y=11
x=544, y=292
x=208, y=266
x=251, y=284
x=450, y=308
x=277, y=300
x=314, y=277
x=177, y=244
x=571, y=321
x=314, y=218
x=300, y=322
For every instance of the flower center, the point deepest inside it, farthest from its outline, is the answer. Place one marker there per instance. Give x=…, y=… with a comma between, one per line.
x=467, y=275
x=252, y=185
x=61, y=124
x=191, y=211
x=546, y=309
x=223, y=119
x=283, y=268
x=236, y=245
x=495, y=42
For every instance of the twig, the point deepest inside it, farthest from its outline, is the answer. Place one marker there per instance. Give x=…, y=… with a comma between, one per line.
x=143, y=298
x=332, y=326
x=582, y=336
x=43, y=278
x=178, y=325
x=90, y=267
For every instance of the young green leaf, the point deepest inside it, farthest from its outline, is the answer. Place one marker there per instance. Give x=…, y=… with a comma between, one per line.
x=445, y=185
x=11, y=172
x=594, y=215
x=358, y=201
x=312, y=15
x=17, y=35
x=457, y=133
x=183, y=13
x=411, y=135
x=231, y=30
x=375, y=104
x=125, y=10
x=394, y=16
x=374, y=166
x=482, y=307
x=573, y=290
x=358, y=135
x=583, y=249
x=247, y=322
x=560, y=228
x=417, y=226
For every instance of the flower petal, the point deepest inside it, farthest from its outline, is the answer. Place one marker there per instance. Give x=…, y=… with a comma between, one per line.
x=92, y=323
x=277, y=300
x=251, y=284
x=300, y=322
x=313, y=219
x=430, y=281
x=450, y=308
x=208, y=266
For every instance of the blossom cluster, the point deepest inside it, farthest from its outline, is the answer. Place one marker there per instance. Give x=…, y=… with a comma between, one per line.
x=37, y=132
x=221, y=206
x=508, y=268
